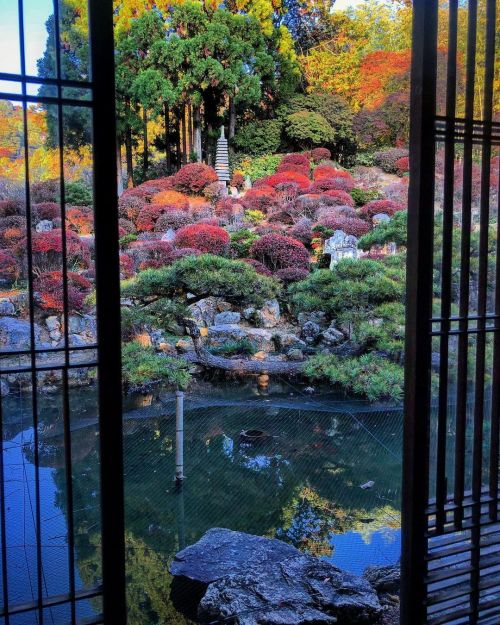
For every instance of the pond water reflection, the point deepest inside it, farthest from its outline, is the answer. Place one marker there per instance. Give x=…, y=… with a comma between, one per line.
x=301, y=483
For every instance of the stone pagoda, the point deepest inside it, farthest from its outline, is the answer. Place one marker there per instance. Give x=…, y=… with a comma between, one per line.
x=222, y=159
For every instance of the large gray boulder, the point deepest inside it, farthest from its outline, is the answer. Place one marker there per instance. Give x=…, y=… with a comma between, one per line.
x=227, y=317
x=260, y=581
x=269, y=315
x=15, y=334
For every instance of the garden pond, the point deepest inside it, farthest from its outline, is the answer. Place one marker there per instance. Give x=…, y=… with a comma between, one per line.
x=324, y=477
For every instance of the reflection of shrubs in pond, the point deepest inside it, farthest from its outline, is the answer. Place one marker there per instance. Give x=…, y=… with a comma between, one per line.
x=369, y=375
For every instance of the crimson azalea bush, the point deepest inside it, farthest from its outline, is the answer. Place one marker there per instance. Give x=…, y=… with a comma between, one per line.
x=9, y=266
x=126, y=225
x=151, y=254
x=45, y=211
x=387, y=159
x=238, y=180
x=260, y=198
x=48, y=246
x=350, y=225
x=302, y=160
x=299, y=169
x=288, y=176
x=50, y=293
x=149, y=215
x=320, y=154
x=302, y=231
x=126, y=266
x=205, y=238
x=402, y=165
x=327, y=171
x=379, y=206
x=276, y=252
x=194, y=177
x=8, y=208
x=130, y=206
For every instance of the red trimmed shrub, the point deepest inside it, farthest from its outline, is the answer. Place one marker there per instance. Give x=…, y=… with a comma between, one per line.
x=151, y=254
x=126, y=266
x=288, y=176
x=270, y=228
x=172, y=218
x=402, y=165
x=49, y=287
x=336, y=211
x=276, y=251
x=238, y=180
x=300, y=169
x=350, y=225
x=379, y=206
x=45, y=210
x=47, y=250
x=327, y=171
x=292, y=274
x=130, y=206
x=9, y=208
x=260, y=198
x=342, y=197
x=80, y=219
x=386, y=159
x=259, y=267
x=144, y=192
x=320, y=154
x=302, y=231
x=302, y=160
x=207, y=239
x=224, y=208
x=9, y=266
x=194, y=177
x=213, y=192
x=146, y=221
x=287, y=191
x=127, y=226
x=172, y=198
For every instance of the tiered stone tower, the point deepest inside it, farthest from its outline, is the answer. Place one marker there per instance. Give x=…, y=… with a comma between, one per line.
x=222, y=158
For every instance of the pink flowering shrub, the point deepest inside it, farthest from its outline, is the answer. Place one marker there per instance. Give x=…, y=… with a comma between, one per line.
x=205, y=238
x=276, y=251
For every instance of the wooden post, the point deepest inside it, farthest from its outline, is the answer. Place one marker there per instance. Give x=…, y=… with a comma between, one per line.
x=179, y=437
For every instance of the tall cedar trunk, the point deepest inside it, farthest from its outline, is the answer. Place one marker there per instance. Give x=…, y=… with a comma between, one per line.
x=129, y=157
x=189, y=126
x=119, y=168
x=197, y=133
x=184, y=137
x=232, y=118
x=168, y=156
x=178, y=140
x=146, y=146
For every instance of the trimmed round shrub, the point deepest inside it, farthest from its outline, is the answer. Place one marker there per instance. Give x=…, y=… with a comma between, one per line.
x=259, y=138
x=48, y=246
x=379, y=206
x=80, y=219
x=288, y=176
x=143, y=192
x=302, y=231
x=292, y=274
x=342, y=197
x=259, y=198
x=130, y=206
x=205, y=238
x=126, y=266
x=259, y=267
x=224, y=208
x=299, y=169
x=78, y=194
x=169, y=197
x=276, y=252
x=320, y=154
x=350, y=225
x=149, y=215
x=338, y=211
x=46, y=191
x=194, y=177
x=9, y=266
x=386, y=159
x=50, y=292
x=126, y=225
x=295, y=162
x=287, y=191
x=9, y=208
x=307, y=128
x=238, y=180
x=172, y=219
x=402, y=165
x=151, y=254
x=214, y=191
x=45, y=210
x=327, y=171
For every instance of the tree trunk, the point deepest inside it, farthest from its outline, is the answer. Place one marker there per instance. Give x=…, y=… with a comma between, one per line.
x=178, y=142
x=168, y=157
x=197, y=133
x=232, y=118
x=119, y=168
x=240, y=366
x=189, y=126
x=184, y=136
x=145, y=144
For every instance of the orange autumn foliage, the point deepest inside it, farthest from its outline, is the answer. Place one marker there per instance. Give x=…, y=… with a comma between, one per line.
x=380, y=73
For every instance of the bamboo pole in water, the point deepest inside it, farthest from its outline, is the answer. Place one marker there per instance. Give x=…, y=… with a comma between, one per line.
x=179, y=437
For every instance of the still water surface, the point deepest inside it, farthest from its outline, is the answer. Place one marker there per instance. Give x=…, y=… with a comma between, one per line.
x=302, y=484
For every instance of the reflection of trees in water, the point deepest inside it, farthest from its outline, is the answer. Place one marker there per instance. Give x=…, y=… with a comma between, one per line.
x=301, y=485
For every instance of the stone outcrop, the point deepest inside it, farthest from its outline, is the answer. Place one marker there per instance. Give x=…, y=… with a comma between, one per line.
x=260, y=581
